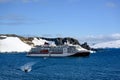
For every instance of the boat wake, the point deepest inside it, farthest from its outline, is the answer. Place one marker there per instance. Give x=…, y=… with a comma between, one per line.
x=27, y=67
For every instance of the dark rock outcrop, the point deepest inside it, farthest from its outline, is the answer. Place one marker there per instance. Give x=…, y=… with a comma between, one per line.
x=86, y=46
x=61, y=41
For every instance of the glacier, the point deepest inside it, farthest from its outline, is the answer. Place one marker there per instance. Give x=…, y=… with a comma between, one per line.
x=109, y=44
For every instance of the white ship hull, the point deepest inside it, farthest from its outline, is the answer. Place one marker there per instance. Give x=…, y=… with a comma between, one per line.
x=83, y=53
x=58, y=51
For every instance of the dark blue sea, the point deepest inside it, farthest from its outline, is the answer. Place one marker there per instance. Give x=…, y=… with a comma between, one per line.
x=102, y=65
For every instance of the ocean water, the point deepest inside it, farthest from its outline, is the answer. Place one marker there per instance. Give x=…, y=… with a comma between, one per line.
x=103, y=65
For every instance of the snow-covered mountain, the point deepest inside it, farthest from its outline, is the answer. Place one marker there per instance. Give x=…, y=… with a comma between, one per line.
x=110, y=44
x=15, y=43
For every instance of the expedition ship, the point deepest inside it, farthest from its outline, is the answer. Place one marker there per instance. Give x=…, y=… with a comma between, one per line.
x=58, y=51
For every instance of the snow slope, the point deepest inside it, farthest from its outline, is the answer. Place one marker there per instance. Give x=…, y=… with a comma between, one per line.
x=110, y=44
x=13, y=44
x=40, y=41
